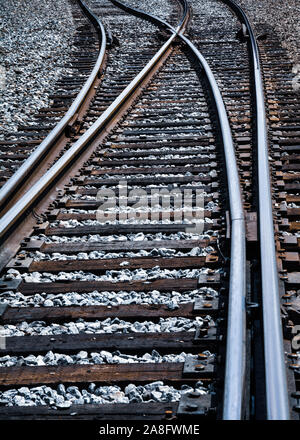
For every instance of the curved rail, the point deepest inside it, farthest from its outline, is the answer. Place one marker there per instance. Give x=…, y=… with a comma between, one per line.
x=18, y=177
x=275, y=371
x=236, y=330
x=236, y=327
x=27, y=200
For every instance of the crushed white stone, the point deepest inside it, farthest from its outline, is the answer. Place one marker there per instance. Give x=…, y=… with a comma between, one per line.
x=109, y=325
x=65, y=396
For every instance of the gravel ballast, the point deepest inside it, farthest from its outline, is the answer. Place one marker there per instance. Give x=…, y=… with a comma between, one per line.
x=163, y=10
x=154, y=273
x=36, y=40
x=283, y=16
x=94, y=358
x=109, y=325
x=170, y=299
x=66, y=396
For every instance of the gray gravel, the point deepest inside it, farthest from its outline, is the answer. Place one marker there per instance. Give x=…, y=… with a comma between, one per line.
x=109, y=325
x=283, y=16
x=94, y=358
x=154, y=273
x=214, y=15
x=64, y=396
x=158, y=8
x=95, y=255
x=170, y=299
x=129, y=237
x=36, y=38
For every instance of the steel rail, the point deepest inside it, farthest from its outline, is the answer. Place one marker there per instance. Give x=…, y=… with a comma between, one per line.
x=235, y=367
x=236, y=329
x=27, y=200
x=32, y=161
x=275, y=370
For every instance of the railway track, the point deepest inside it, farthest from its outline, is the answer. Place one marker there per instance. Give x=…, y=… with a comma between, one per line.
x=16, y=147
x=131, y=280
x=283, y=120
